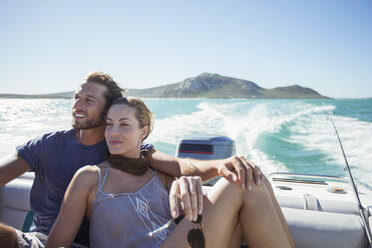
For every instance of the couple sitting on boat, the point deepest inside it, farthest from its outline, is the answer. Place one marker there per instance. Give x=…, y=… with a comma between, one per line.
x=132, y=194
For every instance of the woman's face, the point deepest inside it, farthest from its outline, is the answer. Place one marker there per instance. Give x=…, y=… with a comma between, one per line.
x=123, y=135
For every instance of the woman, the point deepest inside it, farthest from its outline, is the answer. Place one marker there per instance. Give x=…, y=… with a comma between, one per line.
x=126, y=201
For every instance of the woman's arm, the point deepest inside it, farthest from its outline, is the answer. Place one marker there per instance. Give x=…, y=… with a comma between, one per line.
x=73, y=209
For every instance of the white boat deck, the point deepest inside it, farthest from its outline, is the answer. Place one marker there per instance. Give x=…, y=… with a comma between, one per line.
x=333, y=194
x=322, y=211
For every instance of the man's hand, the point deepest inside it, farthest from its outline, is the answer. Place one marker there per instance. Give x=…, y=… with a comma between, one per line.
x=239, y=169
x=187, y=193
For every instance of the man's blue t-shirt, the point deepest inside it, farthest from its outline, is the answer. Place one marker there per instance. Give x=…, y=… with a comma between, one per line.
x=55, y=157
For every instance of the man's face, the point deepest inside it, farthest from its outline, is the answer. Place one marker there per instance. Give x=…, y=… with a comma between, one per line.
x=88, y=110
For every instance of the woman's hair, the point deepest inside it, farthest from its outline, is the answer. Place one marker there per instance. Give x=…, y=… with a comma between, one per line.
x=136, y=166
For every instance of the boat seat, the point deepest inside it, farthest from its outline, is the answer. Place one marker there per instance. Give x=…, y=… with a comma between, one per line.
x=325, y=229
x=15, y=203
x=310, y=202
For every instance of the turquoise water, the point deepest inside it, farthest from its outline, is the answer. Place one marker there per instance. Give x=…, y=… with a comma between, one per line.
x=278, y=135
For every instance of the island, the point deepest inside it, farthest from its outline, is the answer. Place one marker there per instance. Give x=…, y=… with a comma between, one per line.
x=206, y=85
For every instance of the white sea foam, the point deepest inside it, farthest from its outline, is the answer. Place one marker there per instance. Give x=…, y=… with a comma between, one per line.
x=214, y=118
x=310, y=129
x=316, y=133
x=266, y=118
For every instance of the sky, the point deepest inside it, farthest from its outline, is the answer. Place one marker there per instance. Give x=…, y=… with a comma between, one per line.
x=49, y=46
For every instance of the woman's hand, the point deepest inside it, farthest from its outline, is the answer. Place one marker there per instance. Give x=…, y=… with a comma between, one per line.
x=186, y=192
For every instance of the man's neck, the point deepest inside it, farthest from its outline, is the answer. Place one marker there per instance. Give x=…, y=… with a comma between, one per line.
x=90, y=136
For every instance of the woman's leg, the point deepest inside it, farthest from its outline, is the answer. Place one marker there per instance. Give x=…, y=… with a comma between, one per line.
x=238, y=235
x=279, y=211
x=236, y=238
x=225, y=206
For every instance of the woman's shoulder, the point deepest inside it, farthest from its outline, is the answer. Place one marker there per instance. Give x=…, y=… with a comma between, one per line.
x=87, y=175
x=89, y=170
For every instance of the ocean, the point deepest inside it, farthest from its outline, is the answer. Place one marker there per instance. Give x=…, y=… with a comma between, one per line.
x=278, y=135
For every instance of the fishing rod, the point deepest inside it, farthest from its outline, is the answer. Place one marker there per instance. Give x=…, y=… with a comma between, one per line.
x=347, y=168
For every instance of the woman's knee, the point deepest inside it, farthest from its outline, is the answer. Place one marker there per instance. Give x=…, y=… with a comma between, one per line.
x=231, y=188
x=259, y=196
x=227, y=191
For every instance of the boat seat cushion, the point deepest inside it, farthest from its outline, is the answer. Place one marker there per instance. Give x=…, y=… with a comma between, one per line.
x=325, y=229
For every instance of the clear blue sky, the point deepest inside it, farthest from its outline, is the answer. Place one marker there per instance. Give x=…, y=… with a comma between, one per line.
x=48, y=46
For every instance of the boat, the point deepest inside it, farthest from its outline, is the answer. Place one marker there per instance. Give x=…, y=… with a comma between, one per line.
x=321, y=210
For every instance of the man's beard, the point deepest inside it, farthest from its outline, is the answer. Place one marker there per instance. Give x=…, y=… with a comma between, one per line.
x=90, y=123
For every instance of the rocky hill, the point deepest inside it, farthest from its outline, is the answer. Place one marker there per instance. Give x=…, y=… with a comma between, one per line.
x=209, y=85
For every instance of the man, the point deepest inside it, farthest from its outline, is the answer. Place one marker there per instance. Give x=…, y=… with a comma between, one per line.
x=55, y=157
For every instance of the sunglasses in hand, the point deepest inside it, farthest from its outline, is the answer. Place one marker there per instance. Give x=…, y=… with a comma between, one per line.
x=195, y=236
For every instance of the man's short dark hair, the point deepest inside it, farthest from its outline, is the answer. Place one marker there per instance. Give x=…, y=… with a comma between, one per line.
x=113, y=91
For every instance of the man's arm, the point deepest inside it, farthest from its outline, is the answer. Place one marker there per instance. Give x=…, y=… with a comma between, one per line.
x=12, y=167
x=234, y=169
